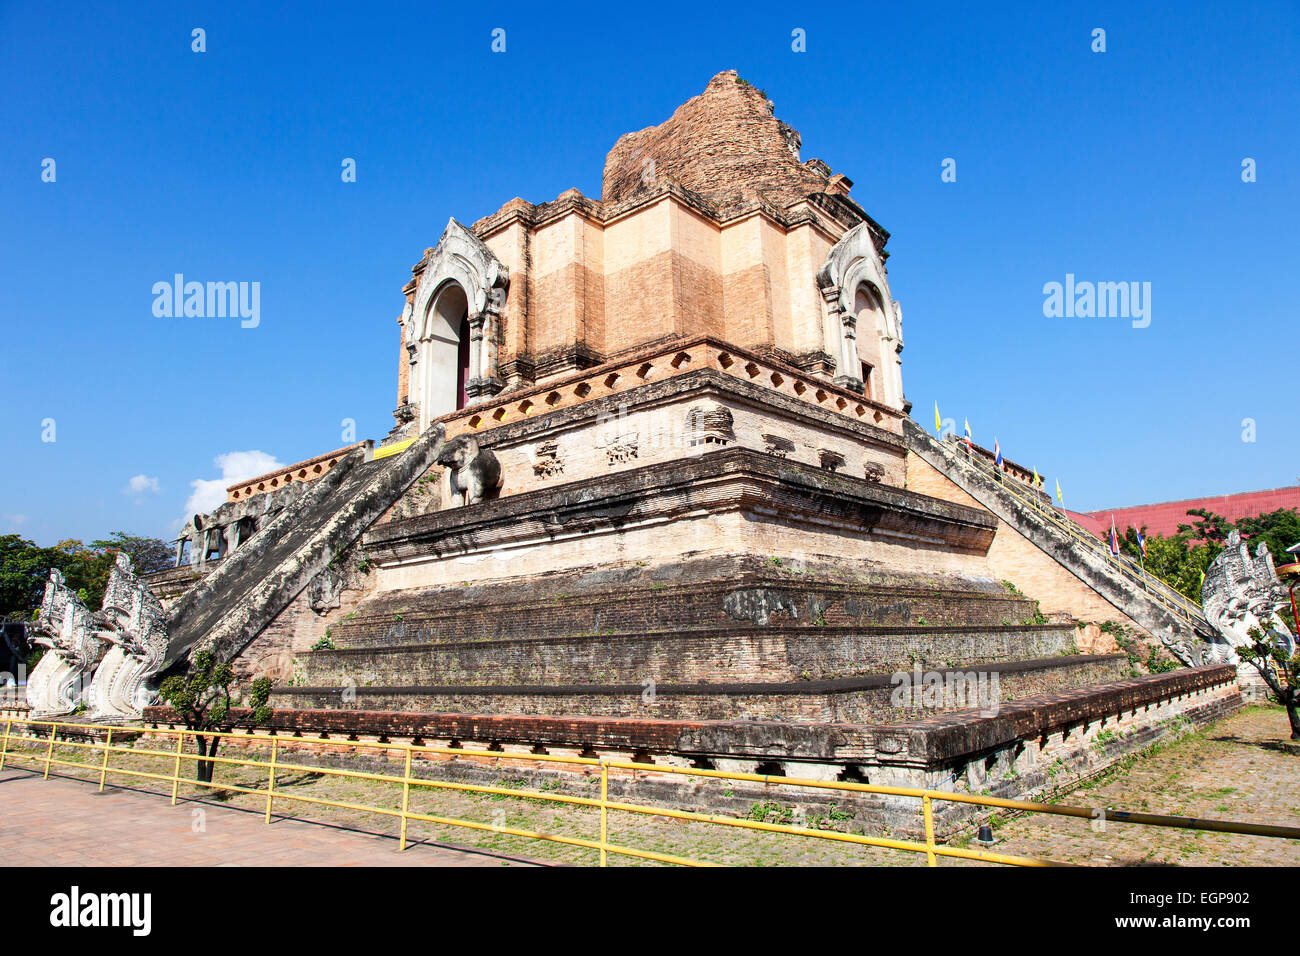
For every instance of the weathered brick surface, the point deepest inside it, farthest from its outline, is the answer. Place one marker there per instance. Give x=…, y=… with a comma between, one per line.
x=851, y=700
x=719, y=143
x=293, y=631
x=748, y=654
x=170, y=585
x=733, y=591
x=718, y=481
x=966, y=732
x=656, y=413
x=709, y=223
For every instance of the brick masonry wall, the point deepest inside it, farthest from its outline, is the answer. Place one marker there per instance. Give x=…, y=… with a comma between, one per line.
x=718, y=143
x=725, y=591
x=934, y=744
x=778, y=654
x=853, y=700
x=170, y=585
x=275, y=651
x=658, y=426
x=730, y=501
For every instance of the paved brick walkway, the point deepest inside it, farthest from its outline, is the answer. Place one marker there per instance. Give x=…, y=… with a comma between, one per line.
x=79, y=826
x=1229, y=770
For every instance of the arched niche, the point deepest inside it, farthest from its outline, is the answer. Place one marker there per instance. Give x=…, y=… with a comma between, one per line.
x=863, y=323
x=452, y=324
x=869, y=316
x=443, y=348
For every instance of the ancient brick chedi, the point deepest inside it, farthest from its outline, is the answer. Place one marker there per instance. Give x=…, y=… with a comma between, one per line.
x=653, y=490
x=709, y=225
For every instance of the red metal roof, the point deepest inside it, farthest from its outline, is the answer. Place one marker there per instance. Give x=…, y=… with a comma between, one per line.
x=1165, y=517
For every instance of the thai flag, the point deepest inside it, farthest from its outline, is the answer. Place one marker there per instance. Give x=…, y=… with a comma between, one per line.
x=1114, y=539
x=1142, y=543
x=997, y=453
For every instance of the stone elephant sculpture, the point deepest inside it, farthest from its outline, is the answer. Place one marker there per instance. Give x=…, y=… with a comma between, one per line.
x=475, y=472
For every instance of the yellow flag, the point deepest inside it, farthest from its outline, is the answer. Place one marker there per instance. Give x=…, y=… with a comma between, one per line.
x=1058, y=490
x=1037, y=481
x=938, y=425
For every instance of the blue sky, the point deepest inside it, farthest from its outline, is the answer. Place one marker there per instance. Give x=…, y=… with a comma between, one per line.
x=225, y=165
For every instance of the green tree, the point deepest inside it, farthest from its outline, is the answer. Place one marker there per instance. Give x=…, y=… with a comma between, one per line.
x=1181, y=559
x=147, y=554
x=1280, y=670
x=25, y=567
x=85, y=569
x=1209, y=527
x=202, y=699
x=1278, y=529
x=1172, y=559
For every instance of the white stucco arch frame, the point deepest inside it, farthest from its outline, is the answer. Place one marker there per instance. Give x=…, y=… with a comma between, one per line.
x=460, y=257
x=852, y=262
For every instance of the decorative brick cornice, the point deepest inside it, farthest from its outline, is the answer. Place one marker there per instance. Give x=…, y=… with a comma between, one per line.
x=661, y=360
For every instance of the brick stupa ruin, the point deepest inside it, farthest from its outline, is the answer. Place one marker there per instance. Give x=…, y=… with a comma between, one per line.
x=653, y=492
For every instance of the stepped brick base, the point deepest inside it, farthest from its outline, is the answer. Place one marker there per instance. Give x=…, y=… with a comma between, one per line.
x=1046, y=741
x=852, y=699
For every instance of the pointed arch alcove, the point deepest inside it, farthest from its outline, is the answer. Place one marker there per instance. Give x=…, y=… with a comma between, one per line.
x=451, y=326
x=864, y=328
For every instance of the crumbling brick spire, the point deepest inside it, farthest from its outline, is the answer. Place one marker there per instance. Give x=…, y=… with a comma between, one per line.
x=721, y=144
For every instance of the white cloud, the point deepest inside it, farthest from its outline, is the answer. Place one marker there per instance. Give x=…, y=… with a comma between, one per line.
x=16, y=520
x=210, y=493
x=141, y=484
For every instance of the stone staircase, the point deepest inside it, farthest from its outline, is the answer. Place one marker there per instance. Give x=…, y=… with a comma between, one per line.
x=232, y=604
x=707, y=638
x=1179, y=623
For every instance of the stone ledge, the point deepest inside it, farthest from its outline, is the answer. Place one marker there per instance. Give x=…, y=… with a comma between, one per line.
x=730, y=479
x=837, y=685
x=184, y=574
x=741, y=630
x=620, y=374
x=958, y=732
x=704, y=382
x=931, y=744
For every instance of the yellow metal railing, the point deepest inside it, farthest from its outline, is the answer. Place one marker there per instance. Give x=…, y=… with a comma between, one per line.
x=602, y=845
x=1158, y=590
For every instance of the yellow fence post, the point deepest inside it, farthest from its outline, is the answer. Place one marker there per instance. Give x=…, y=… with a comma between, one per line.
x=103, y=767
x=176, y=768
x=49, y=751
x=270, y=784
x=928, y=809
x=406, y=796
x=5, y=749
x=604, y=812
